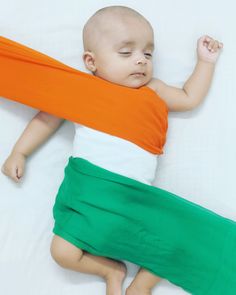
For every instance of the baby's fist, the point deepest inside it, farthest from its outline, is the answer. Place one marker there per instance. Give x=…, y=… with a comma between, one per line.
x=14, y=166
x=208, y=49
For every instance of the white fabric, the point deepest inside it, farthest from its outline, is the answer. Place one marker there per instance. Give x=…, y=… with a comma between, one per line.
x=199, y=157
x=114, y=154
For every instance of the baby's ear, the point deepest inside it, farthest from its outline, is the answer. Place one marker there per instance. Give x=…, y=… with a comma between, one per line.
x=89, y=60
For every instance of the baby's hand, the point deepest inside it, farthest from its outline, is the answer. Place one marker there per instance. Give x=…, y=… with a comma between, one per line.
x=14, y=166
x=208, y=49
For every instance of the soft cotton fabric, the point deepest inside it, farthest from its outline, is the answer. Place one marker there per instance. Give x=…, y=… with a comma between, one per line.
x=115, y=154
x=137, y=115
x=111, y=215
x=170, y=226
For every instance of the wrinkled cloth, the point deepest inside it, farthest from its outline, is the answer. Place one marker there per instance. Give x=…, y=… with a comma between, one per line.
x=39, y=81
x=108, y=214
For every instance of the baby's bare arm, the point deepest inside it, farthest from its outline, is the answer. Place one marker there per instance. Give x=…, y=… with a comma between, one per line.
x=197, y=85
x=40, y=128
x=193, y=91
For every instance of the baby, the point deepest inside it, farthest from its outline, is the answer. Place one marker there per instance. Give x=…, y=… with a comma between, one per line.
x=118, y=47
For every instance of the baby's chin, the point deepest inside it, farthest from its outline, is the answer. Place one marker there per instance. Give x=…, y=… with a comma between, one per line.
x=131, y=83
x=135, y=81
x=135, y=84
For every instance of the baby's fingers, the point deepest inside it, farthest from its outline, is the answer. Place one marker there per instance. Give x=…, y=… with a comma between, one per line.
x=16, y=175
x=19, y=172
x=211, y=45
x=214, y=47
x=4, y=170
x=217, y=45
x=12, y=173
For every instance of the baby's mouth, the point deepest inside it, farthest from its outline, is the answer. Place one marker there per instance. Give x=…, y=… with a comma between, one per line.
x=138, y=74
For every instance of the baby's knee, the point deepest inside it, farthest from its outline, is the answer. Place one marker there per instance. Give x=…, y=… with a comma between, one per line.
x=63, y=252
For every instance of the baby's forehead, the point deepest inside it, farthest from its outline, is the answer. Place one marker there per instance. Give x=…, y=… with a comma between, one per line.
x=126, y=30
x=131, y=42
x=129, y=35
x=114, y=26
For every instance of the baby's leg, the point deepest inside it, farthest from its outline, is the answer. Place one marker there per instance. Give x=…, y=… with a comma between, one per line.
x=69, y=256
x=143, y=283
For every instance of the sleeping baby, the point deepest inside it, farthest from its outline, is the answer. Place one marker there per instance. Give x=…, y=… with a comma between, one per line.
x=118, y=48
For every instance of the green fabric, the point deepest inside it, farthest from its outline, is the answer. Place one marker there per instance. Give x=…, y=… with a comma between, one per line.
x=111, y=215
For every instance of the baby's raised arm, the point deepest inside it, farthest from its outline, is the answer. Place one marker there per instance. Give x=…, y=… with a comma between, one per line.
x=197, y=85
x=40, y=128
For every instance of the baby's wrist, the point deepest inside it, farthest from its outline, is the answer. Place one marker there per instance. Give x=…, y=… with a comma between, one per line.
x=17, y=152
x=206, y=62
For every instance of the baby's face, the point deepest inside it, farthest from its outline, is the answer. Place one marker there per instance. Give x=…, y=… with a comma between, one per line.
x=123, y=54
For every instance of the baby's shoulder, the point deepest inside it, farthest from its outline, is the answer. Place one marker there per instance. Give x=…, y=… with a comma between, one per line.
x=156, y=85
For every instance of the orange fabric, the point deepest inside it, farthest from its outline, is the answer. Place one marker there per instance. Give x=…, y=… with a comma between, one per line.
x=39, y=81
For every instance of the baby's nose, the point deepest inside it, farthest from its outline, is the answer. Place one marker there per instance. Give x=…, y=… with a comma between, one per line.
x=141, y=60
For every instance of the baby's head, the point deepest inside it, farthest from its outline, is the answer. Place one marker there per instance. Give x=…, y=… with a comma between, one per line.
x=118, y=46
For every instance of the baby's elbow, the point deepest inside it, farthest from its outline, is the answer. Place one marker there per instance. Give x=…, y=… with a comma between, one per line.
x=193, y=104
x=189, y=103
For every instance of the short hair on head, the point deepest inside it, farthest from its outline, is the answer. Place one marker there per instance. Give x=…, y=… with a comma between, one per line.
x=94, y=23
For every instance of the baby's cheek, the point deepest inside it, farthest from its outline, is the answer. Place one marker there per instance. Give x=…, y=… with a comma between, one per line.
x=149, y=75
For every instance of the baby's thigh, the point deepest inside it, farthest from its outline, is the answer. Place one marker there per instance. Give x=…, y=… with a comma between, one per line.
x=63, y=252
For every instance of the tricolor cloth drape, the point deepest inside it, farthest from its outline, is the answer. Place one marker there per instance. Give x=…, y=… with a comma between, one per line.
x=109, y=214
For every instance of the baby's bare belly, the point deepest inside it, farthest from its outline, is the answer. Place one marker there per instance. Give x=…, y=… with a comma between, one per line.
x=114, y=154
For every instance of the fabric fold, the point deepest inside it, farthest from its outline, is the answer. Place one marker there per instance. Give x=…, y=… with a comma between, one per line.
x=34, y=79
x=108, y=214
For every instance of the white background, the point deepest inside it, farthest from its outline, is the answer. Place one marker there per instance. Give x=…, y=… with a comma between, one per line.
x=199, y=159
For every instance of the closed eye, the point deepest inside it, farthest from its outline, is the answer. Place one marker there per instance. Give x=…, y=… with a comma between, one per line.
x=148, y=54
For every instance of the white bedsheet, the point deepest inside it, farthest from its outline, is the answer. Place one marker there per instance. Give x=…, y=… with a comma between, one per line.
x=199, y=160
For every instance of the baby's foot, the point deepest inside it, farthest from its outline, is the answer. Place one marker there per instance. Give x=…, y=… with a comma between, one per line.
x=115, y=278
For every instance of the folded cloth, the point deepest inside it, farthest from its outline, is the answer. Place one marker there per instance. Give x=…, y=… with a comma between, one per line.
x=37, y=80
x=111, y=215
